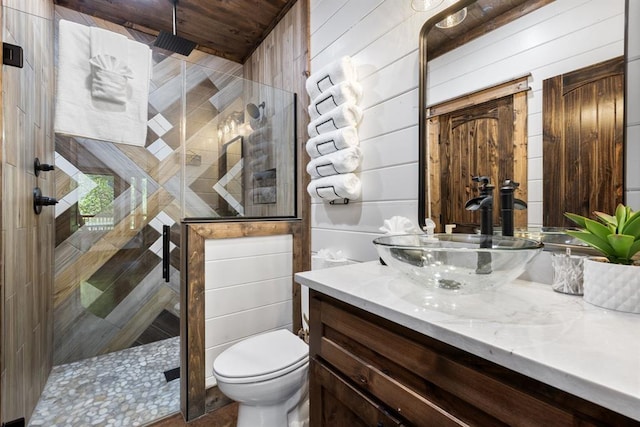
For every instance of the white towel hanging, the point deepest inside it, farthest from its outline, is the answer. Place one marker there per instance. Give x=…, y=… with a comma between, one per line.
x=347, y=91
x=78, y=113
x=342, y=161
x=343, y=186
x=342, y=116
x=332, y=141
x=330, y=75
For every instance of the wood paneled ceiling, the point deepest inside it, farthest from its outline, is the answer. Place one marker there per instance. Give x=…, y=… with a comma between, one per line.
x=230, y=29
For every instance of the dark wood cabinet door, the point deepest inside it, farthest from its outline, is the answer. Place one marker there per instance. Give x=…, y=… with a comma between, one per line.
x=336, y=403
x=583, y=142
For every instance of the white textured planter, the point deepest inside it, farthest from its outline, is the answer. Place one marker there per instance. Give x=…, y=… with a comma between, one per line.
x=612, y=286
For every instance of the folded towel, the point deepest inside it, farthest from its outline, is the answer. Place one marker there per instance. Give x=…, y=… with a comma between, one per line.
x=258, y=163
x=342, y=116
x=259, y=135
x=78, y=113
x=263, y=195
x=343, y=186
x=109, y=71
x=330, y=75
x=341, y=161
x=109, y=78
x=259, y=149
x=346, y=91
x=332, y=141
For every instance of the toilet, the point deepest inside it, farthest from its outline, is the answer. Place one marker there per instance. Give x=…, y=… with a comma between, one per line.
x=267, y=375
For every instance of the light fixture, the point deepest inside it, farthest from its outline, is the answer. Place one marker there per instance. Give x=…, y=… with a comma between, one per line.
x=423, y=5
x=453, y=20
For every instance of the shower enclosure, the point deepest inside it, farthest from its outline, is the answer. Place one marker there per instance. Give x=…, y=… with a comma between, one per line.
x=218, y=148
x=205, y=156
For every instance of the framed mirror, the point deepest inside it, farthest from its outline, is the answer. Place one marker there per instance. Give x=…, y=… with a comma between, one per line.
x=505, y=42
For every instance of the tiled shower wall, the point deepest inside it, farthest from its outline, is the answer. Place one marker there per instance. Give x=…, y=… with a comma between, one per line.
x=27, y=239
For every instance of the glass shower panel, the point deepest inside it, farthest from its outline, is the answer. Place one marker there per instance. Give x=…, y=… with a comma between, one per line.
x=114, y=201
x=240, y=148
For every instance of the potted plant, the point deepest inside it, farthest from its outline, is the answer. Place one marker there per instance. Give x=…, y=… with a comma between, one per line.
x=612, y=281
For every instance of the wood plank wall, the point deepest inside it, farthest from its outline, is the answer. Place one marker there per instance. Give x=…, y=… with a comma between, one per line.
x=27, y=239
x=282, y=61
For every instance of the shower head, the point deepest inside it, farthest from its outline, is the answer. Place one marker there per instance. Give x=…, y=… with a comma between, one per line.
x=254, y=110
x=173, y=42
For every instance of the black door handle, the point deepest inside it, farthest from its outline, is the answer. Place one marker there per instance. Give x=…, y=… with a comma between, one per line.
x=166, y=242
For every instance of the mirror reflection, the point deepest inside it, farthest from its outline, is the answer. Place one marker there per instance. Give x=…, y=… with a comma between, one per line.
x=538, y=101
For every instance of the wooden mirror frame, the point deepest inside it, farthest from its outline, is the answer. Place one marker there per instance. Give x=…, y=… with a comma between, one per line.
x=422, y=100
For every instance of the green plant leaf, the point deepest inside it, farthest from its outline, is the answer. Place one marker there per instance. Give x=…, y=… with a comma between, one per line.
x=621, y=217
x=578, y=219
x=606, y=218
x=621, y=244
x=594, y=241
x=634, y=249
x=598, y=229
x=632, y=227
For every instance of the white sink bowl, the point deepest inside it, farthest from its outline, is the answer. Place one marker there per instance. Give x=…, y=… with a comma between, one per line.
x=457, y=263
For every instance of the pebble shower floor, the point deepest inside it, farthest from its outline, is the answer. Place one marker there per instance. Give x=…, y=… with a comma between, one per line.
x=124, y=388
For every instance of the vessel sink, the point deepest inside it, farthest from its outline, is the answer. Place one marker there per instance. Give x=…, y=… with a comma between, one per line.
x=457, y=263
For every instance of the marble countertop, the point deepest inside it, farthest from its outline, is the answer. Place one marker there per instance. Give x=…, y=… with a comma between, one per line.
x=525, y=326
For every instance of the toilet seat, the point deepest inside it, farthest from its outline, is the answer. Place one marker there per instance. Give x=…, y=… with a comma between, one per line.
x=261, y=358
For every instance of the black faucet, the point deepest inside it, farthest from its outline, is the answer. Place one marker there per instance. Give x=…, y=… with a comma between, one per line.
x=507, y=204
x=484, y=202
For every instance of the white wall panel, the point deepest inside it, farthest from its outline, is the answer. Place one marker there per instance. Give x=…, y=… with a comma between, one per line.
x=217, y=249
x=339, y=23
x=354, y=245
x=247, y=290
x=231, y=299
x=395, y=114
x=393, y=183
x=231, y=327
x=390, y=149
x=373, y=22
x=244, y=270
x=368, y=216
x=397, y=78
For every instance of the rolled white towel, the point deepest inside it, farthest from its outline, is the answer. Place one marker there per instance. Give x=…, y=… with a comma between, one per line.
x=347, y=114
x=330, y=75
x=347, y=91
x=343, y=186
x=342, y=161
x=332, y=141
x=262, y=195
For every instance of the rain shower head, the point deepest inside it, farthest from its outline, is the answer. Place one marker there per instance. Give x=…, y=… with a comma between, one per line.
x=173, y=42
x=254, y=110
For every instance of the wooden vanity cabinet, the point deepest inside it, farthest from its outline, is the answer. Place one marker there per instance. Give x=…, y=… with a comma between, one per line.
x=368, y=371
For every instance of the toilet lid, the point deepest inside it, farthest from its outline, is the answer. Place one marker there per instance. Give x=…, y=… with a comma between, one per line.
x=262, y=357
